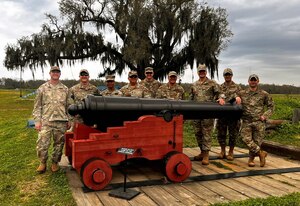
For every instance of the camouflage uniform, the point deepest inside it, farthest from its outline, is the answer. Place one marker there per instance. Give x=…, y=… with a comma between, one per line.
x=50, y=109
x=230, y=92
x=252, y=130
x=166, y=91
x=135, y=91
x=77, y=93
x=152, y=86
x=207, y=91
x=115, y=92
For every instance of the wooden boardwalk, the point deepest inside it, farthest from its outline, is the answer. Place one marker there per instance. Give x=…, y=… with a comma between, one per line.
x=197, y=192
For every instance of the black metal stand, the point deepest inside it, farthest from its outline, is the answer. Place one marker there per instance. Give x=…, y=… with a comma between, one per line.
x=124, y=193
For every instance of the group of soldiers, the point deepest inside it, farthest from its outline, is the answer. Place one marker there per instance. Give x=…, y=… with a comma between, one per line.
x=52, y=119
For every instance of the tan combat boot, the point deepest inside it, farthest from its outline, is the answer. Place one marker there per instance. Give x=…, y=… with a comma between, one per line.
x=251, y=161
x=54, y=167
x=41, y=168
x=230, y=154
x=205, y=160
x=222, y=154
x=199, y=157
x=262, y=157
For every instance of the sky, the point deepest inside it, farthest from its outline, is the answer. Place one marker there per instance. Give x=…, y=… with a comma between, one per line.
x=266, y=40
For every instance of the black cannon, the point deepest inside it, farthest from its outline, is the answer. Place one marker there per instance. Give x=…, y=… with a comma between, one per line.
x=113, y=111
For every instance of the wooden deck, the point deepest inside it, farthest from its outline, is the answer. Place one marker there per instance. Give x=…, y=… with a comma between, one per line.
x=197, y=192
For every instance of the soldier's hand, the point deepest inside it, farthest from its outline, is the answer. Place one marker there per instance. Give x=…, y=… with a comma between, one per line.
x=238, y=100
x=38, y=126
x=263, y=118
x=221, y=101
x=69, y=124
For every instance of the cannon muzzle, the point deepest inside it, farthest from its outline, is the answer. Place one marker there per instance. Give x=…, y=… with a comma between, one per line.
x=113, y=111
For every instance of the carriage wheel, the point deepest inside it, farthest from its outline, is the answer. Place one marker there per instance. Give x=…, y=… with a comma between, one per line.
x=96, y=174
x=178, y=166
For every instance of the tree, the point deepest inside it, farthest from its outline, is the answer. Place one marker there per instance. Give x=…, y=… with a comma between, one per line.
x=165, y=34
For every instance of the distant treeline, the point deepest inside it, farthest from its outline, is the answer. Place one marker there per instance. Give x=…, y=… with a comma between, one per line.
x=7, y=83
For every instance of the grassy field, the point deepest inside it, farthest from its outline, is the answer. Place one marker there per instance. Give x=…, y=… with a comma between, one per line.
x=20, y=185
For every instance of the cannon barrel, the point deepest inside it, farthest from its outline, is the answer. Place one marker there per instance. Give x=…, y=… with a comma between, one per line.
x=113, y=111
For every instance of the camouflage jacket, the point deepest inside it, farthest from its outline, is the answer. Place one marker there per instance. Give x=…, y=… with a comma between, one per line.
x=78, y=92
x=230, y=90
x=254, y=103
x=115, y=92
x=136, y=91
x=152, y=86
x=208, y=91
x=165, y=91
x=51, y=103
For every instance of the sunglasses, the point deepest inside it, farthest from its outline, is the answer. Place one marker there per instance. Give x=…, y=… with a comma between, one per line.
x=84, y=75
x=133, y=76
x=55, y=71
x=149, y=73
x=109, y=81
x=227, y=74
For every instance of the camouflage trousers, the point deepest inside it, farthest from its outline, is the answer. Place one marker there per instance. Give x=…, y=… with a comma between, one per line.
x=203, y=130
x=252, y=134
x=55, y=130
x=232, y=126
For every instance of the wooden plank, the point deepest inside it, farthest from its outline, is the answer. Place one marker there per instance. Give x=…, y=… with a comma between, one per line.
x=276, y=184
x=242, y=188
x=80, y=198
x=295, y=175
x=252, y=182
x=284, y=179
x=191, y=152
x=161, y=196
x=142, y=199
x=224, y=191
x=74, y=179
x=218, y=169
x=201, y=169
x=108, y=200
x=184, y=195
x=117, y=177
x=243, y=162
x=205, y=193
x=93, y=198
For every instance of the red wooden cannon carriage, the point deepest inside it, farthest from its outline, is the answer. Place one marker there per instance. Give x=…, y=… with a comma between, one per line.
x=92, y=151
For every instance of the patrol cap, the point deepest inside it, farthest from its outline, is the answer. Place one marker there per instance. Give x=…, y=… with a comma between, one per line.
x=172, y=73
x=253, y=76
x=110, y=78
x=148, y=69
x=202, y=67
x=132, y=73
x=54, y=68
x=227, y=71
x=84, y=71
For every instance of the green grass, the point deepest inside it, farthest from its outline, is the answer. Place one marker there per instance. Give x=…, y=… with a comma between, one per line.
x=292, y=199
x=20, y=185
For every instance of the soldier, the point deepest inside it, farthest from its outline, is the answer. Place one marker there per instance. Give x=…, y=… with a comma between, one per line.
x=51, y=119
x=171, y=90
x=79, y=91
x=254, y=101
x=134, y=89
x=205, y=90
x=110, y=84
x=149, y=82
x=229, y=89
